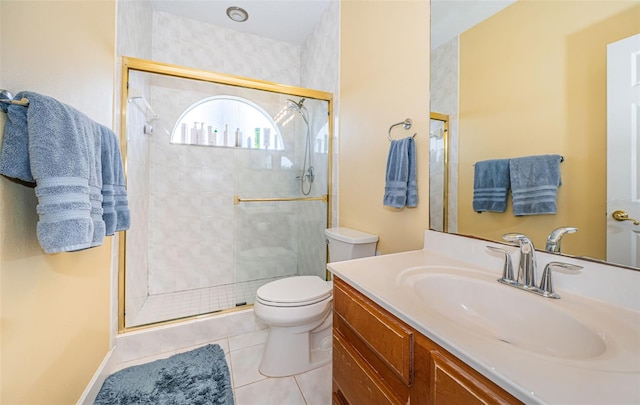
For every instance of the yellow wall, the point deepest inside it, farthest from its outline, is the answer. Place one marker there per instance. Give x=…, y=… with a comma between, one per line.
x=54, y=308
x=384, y=78
x=533, y=81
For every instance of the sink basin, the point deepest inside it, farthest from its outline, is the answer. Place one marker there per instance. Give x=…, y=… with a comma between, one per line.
x=503, y=313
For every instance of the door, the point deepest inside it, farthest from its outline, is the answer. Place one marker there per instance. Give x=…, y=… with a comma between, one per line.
x=623, y=170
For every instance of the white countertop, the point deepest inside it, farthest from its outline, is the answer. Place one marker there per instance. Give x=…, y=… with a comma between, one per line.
x=612, y=377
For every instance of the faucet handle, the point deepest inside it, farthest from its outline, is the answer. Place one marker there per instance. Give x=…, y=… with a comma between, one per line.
x=546, y=283
x=507, y=271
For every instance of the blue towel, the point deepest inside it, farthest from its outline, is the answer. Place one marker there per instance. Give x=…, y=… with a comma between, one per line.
x=108, y=179
x=60, y=149
x=491, y=185
x=534, y=184
x=401, y=189
x=121, y=206
x=14, y=156
x=61, y=155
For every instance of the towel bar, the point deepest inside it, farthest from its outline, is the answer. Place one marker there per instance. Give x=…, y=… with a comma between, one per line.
x=237, y=200
x=7, y=98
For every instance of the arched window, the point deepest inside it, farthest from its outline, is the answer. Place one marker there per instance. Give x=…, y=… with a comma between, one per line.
x=227, y=121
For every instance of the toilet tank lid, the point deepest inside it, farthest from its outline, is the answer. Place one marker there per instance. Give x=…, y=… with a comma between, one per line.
x=349, y=235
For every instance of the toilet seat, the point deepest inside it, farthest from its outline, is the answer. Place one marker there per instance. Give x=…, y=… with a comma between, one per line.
x=294, y=291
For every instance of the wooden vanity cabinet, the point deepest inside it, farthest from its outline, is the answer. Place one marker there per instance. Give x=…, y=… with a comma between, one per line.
x=378, y=359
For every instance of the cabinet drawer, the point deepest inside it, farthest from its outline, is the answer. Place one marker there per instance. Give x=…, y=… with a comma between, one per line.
x=358, y=384
x=387, y=337
x=454, y=383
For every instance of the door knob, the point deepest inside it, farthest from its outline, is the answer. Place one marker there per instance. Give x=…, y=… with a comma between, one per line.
x=620, y=215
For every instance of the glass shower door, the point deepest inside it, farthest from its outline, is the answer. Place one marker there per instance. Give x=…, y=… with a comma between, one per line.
x=228, y=186
x=281, y=201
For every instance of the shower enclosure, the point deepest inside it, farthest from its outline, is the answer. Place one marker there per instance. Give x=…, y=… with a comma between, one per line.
x=228, y=183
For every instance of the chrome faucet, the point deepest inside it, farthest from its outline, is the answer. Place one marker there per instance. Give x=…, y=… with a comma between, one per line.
x=527, y=268
x=555, y=237
x=526, y=279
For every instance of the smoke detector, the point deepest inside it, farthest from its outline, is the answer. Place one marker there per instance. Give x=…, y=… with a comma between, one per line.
x=237, y=14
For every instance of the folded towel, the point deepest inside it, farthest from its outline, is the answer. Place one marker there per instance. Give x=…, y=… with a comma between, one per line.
x=116, y=208
x=60, y=149
x=62, y=156
x=14, y=156
x=108, y=201
x=491, y=185
x=534, y=184
x=401, y=186
x=93, y=131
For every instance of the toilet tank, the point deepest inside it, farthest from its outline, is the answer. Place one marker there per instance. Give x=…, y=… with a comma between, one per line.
x=346, y=244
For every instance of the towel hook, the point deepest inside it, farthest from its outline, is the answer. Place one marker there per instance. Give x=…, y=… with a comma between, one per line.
x=406, y=124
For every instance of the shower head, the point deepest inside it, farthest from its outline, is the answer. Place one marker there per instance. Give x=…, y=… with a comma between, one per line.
x=301, y=109
x=296, y=106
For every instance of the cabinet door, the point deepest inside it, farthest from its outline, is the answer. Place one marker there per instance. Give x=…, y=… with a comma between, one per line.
x=354, y=381
x=454, y=383
x=384, y=334
x=337, y=397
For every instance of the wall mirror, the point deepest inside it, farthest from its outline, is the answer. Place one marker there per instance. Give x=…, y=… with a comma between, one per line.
x=529, y=77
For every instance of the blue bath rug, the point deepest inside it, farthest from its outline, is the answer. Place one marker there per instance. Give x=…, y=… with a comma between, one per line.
x=198, y=377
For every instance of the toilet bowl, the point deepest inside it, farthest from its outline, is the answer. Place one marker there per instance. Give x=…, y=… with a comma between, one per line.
x=297, y=310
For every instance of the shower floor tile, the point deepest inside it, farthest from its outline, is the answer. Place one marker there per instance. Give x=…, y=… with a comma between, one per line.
x=181, y=304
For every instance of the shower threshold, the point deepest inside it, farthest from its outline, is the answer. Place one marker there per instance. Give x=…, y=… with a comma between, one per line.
x=182, y=304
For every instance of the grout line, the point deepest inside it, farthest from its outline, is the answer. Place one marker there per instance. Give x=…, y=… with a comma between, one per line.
x=304, y=398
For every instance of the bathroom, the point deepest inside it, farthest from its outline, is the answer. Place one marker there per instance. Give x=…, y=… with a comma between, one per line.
x=67, y=322
x=58, y=316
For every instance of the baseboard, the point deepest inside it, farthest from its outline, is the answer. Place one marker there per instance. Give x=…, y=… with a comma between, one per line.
x=93, y=388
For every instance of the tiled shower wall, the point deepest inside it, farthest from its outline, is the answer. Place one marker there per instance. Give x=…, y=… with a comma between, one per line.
x=444, y=100
x=205, y=175
x=320, y=70
x=197, y=228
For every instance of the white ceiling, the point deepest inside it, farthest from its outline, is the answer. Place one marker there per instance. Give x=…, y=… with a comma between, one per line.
x=293, y=20
x=283, y=20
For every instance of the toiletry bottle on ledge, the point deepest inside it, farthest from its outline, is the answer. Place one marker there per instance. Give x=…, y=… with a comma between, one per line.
x=193, y=135
x=238, y=138
x=256, y=139
x=202, y=134
x=183, y=133
x=211, y=140
x=226, y=135
x=267, y=137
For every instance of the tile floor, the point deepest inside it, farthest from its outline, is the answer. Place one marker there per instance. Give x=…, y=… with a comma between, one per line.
x=243, y=354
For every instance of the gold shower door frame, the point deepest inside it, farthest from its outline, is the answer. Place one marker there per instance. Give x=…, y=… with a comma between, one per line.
x=142, y=65
x=444, y=118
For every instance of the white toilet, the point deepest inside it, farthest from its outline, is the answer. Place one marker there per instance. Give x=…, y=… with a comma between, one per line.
x=297, y=310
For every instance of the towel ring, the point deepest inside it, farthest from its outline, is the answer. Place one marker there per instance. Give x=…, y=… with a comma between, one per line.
x=406, y=124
